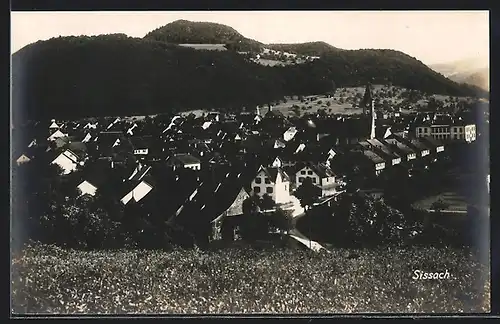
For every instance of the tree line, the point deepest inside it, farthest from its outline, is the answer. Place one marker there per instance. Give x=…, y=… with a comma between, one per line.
x=73, y=77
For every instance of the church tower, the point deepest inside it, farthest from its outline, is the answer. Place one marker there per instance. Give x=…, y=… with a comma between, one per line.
x=367, y=99
x=373, y=118
x=368, y=102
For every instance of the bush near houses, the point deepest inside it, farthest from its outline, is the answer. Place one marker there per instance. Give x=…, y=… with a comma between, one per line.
x=48, y=279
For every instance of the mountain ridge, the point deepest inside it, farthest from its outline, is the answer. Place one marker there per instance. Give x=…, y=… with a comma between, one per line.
x=118, y=74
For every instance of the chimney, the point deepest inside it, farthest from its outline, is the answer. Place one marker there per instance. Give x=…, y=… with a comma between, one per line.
x=257, y=111
x=112, y=164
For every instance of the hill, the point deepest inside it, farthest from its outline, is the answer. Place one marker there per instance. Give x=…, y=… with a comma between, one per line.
x=310, y=48
x=473, y=71
x=72, y=77
x=188, y=32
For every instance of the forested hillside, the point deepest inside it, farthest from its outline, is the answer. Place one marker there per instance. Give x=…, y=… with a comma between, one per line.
x=70, y=77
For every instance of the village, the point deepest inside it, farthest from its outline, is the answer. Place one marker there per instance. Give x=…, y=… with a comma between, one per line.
x=206, y=167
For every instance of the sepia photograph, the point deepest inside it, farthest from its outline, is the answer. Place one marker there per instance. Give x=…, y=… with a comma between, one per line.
x=249, y=162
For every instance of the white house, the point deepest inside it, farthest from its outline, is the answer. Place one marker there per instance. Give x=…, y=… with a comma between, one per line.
x=137, y=193
x=56, y=135
x=289, y=134
x=22, y=159
x=86, y=188
x=86, y=138
x=321, y=176
x=53, y=125
x=274, y=182
x=67, y=160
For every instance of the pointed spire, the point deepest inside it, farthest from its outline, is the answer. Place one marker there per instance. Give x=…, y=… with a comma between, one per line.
x=367, y=98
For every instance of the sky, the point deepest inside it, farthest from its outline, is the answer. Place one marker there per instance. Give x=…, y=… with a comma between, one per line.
x=430, y=36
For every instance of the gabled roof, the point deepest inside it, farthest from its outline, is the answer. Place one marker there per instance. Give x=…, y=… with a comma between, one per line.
x=321, y=169
x=272, y=173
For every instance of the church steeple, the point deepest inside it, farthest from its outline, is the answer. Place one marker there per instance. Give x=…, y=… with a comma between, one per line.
x=367, y=99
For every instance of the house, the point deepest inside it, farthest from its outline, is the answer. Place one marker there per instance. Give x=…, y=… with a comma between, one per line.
x=184, y=160
x=418, y=146
x=87, y=188
x=137, y=190
x=383, y=151
x=87, y=138
x=53, y=125
x=90, y=125
x=130, y=130
x=139, y=172
x=321, y=176
x=114, y=122
x=367, y=160
x=233, y=198
x=444, y=127
x=141, y=145
x=109, y=143
x=289, y=134
x=22, y=159
x=435, y=144
x=67, y=160
x=56, y=135
x=400, y=149
x=274, y=182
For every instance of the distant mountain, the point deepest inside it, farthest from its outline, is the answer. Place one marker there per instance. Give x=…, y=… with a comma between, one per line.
x=107, y=75
x=310, y=48
x=473, y=71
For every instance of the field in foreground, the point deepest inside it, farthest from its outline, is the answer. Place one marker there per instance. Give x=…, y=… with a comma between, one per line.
x=47, y=279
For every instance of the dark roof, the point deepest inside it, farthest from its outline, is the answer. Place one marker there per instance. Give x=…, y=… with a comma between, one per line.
x=345, y=127
x=397, y=146
x=141, y=142
x=186, y=158
x=321, y=169
x=373, y=156
x=97, y=174
x=273, y=173
x=432, y=141
x=381, y=148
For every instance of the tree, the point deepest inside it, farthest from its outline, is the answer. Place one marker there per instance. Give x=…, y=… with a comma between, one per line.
x=281, y=219
x=307, y=193
x=253, y=224
x=267, y=202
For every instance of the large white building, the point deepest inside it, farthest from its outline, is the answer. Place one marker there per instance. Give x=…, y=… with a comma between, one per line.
x=274, y=182
x=446, y=129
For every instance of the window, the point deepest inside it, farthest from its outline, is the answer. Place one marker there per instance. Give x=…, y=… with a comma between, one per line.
x=420, y=130
x=455, y=129
x=309, y=172
x=269, y=190
x=302, y=172
x=256, y=189
x=313, y=180
x=267, y=181
x=426, y=130
x=301, y=179
x=258, y=180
